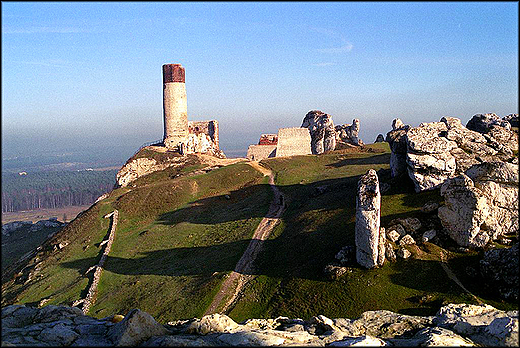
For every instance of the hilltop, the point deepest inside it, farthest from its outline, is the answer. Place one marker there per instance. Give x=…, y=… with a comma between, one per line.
x=182, y=230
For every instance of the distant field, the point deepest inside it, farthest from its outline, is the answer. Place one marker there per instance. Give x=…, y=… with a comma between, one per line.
x=64, y=214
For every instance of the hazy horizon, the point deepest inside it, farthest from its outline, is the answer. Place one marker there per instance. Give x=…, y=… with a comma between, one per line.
x=87, y=76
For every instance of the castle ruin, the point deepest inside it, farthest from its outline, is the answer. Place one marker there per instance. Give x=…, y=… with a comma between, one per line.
x=288, y=142
x=179, y=133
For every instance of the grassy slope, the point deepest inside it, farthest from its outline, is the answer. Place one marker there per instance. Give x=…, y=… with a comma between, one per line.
x=178, y=237
x=314, y=228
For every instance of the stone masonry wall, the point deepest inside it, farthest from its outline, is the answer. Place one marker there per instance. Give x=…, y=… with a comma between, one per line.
x=207, y=127
x=259, y=152
x=293, y=141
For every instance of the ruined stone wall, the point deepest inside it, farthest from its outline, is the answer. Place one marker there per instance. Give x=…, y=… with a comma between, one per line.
x=293, y=141
x=175, y=106
x=207, y=127
x=268, y=139
x=259, y=152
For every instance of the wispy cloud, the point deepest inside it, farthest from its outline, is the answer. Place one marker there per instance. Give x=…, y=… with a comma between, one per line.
x=44, y=30
x=345, y=45
x=54, y=63
x=345, y=48
x=324, y=64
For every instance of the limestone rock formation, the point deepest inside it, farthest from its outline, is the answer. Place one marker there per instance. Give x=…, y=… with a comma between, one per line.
x=349, y=133
x=454, y=324
x=397, y=141
x=465, y=212
x=500, y=269
x=369, y=251
x=142, y=166
x=512, y=119
x=482, y=122
x=482, y=204
x=435, y=151
x=380, y=138
x=321, y=128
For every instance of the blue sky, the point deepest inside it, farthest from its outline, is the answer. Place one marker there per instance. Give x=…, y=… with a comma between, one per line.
x=87, y=74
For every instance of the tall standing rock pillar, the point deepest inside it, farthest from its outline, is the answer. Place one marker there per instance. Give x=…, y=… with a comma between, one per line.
x=175, y=105
x=370, y=238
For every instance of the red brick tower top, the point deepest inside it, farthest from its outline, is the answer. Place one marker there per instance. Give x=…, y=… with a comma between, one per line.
x=173, y=73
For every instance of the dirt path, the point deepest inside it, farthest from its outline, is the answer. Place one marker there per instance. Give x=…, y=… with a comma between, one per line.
x=243, y=271
x=453, y=277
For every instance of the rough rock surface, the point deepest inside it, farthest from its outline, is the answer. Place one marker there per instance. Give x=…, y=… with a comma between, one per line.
x=397, y=141
x=349, y=133
x=482, y=122
x=436, y=151
x=512, y=119
x=380, y=138
x=142, y=166
x=321, y=128
x=369, y=244
x=454, y=324
x=500, y=269
x=482, y=204
x=200, y=143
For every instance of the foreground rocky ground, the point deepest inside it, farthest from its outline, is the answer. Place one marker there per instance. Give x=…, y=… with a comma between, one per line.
x=453, y=325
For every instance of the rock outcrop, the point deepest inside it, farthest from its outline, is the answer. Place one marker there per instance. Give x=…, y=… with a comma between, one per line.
x=370, y=239
x=349, y=133
x=11, y=228
x=397, y=141
x=436, y=151
x=380, y=138
x=482, y=204
x=321, y=128
x=454, y=324
x=482, y=122
x=200, y=143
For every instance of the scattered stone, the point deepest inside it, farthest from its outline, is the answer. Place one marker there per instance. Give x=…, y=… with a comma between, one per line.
x=454, y=324
x=212, y=323
x=334, y=272
x=367, y=231
x=410, y=224
x=428, y=236
x=397, y=227
x=389, y=252
x=135, y=328
x=407, y=240
x=393, y=235
x=403, y=253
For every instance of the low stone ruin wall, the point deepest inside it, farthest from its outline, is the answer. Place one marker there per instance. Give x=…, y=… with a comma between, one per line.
x=293, y=141
x=260, y=152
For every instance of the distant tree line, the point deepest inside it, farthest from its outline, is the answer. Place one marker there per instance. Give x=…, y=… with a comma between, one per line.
x=54, y=189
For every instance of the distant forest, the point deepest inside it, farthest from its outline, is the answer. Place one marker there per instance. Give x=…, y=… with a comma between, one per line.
x=54, y=189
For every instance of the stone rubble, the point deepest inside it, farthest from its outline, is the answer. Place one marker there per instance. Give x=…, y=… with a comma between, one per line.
x=454, y=324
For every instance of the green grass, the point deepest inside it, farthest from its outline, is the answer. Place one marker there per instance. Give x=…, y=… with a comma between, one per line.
x=179, y=236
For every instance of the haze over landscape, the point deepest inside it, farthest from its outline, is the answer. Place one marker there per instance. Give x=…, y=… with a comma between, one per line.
x=85, y=78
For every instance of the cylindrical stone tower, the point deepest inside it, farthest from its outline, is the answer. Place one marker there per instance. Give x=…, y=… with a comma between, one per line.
x=175, y=105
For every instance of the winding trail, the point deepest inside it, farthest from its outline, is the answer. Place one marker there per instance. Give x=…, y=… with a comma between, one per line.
x=453, y=277
x=243, y=271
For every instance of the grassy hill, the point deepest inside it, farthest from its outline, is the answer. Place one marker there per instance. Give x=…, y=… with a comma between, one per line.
x=180, y=234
